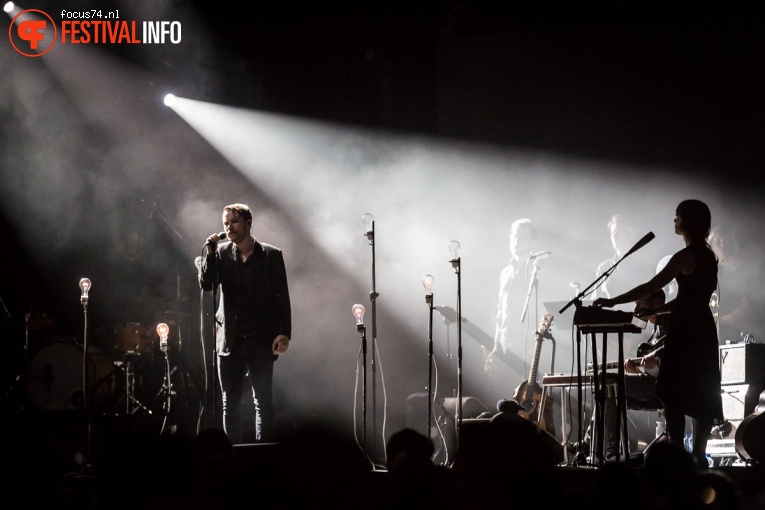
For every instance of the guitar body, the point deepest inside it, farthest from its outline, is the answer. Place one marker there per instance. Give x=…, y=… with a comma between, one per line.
x=644, y=349
x=529, y=397
x=647, y=348
x=528, y=394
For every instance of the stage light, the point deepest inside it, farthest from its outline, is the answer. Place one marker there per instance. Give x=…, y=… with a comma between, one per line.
x=85, y=287
x=163, y=330
x=427, y=282
x=9, y=7
x=358, y=312
x=169, y=100
x=368, y=222
x=454, y=247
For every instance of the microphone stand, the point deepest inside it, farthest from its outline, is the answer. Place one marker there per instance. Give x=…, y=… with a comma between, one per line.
x=456, y=264
x=164, y=220
x=532, y=286
x=363, y=332
x=87, y=468
x=215, y=284
x=577, y=302
x=198, y=263
x=431, y=393
x=373, y=299
x=166, y=387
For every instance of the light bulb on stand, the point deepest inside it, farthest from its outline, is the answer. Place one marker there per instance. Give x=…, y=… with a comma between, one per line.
x=454, y=248
x=358, y=312
x=369, y=225
x=427, y=282
x=85, y=288
x=163, y=330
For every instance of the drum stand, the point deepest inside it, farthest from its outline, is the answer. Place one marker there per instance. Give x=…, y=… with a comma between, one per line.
x=132, y=404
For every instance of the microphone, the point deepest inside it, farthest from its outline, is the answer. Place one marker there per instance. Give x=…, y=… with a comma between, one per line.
x=540, y=255
x=645, y=240
x=221, y=235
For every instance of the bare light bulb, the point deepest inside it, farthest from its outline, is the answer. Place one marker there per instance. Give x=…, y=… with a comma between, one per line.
x=358, y=312
x=454, y=247
x=85, y=287
x=368, y=221
x=427, y=282
x=162, y=331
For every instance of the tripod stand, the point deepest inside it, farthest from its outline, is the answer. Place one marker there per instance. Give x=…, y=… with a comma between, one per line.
x=132, y=404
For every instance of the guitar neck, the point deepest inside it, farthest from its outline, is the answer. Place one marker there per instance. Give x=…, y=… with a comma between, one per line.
x=610, y=365
x=643, y=350
x=544, y=326
x=535, y=363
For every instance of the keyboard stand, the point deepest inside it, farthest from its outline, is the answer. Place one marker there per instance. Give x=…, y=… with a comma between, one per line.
x=620, y=420
x=565, y=382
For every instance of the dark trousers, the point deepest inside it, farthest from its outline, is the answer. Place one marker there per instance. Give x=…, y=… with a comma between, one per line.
x=257, y=361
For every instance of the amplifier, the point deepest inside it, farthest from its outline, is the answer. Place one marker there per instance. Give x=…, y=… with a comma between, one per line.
x=740, y=400
x=742, y=363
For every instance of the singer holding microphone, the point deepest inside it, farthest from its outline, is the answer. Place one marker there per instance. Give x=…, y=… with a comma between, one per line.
x=252, y=320
x=689, y=378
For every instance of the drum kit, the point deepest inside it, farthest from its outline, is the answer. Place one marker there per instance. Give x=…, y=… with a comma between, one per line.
x=124, y=369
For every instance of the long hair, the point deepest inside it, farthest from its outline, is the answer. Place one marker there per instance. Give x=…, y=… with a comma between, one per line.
x=697, y=219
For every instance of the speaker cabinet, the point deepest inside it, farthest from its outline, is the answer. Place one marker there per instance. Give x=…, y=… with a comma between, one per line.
x=742, y=363
x=740, y=400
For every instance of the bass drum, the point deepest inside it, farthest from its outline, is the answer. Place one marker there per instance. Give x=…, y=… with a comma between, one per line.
x=129, y=337
x=54, y=377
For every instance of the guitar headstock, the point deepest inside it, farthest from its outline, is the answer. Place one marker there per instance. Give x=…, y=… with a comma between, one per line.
x=545, y=324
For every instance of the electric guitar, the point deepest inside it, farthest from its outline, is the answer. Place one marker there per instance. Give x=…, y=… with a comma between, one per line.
x=529, y=393
x=643, y=350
